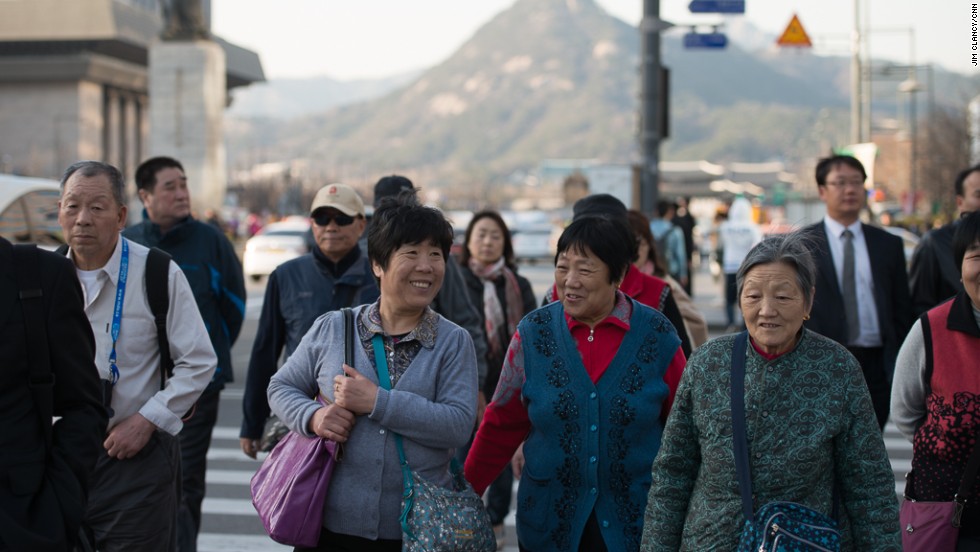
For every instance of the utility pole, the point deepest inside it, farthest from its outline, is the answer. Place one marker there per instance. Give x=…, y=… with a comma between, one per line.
x=650, y=109
x=856, y=135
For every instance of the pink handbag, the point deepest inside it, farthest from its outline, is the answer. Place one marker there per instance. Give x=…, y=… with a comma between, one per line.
x=935, y=526
x=928, y=526
x=290, y=488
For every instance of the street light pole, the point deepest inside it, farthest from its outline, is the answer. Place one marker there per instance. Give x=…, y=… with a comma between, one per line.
x=856, y=135
x=650, y=100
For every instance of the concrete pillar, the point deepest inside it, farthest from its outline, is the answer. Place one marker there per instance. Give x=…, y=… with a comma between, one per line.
x=187, y=101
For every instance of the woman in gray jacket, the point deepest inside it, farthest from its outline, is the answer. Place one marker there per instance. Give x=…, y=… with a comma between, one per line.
x=432, y=366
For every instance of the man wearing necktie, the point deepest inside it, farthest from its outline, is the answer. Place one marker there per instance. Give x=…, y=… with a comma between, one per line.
x=862, y=296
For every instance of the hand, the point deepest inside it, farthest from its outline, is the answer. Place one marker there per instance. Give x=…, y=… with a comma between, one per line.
x=250, y=447
x=517, y=462
x=481, y=407
x=128, y=437
x=332, y=422
x=354, y=392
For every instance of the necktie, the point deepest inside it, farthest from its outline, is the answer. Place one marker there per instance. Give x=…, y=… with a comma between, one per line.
x=849, y=288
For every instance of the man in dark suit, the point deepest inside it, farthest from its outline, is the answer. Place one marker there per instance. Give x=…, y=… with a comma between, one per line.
x=933, y=275
x=862, y=294
x=44, y=485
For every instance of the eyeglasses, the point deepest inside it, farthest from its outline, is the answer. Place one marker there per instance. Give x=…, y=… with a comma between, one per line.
x=846, y=183
x=323, y=219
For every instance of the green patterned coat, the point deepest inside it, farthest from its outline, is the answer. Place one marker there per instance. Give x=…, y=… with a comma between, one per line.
x=808, y=418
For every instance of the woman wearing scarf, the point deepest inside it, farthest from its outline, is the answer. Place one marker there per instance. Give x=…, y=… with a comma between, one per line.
x=503, y=298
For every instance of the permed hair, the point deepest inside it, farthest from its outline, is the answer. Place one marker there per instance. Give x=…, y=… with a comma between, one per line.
x=792, y=249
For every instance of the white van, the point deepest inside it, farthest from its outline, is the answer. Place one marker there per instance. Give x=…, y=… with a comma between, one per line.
x=29, y=210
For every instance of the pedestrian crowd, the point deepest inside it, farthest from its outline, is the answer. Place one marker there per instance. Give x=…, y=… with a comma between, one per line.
x=627, y=428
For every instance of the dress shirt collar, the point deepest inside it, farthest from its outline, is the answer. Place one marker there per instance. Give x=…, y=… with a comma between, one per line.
x=835, y=228
x=111, y=267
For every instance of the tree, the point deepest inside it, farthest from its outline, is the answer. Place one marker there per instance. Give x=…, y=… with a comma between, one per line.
x=944, y=146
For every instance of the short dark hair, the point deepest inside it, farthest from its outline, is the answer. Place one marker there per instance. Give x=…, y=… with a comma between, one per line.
x=391, y=186
x=402, y=219
x=599, y=204
x=961, y=178
x=827, y=164
x=464, y=256
x=608, y=239
x=146, y=173
x=966, y=237
x=89, y=169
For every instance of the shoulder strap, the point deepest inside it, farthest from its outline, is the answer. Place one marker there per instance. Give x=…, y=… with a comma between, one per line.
x=741, y=443
x=348, y=336
x=157, y=277
x=739, y=434
x=26, y=263
x=408, y=487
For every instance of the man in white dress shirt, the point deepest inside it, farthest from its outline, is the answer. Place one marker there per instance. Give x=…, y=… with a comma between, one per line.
x=862, y=293
x=134, y=495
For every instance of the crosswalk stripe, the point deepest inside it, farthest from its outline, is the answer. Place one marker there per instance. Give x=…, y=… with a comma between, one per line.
x=228, y=507
x=223, y=542
x=230, y=477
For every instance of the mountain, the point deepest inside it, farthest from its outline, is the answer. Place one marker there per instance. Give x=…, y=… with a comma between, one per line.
x=291, y=98
x=554, y=79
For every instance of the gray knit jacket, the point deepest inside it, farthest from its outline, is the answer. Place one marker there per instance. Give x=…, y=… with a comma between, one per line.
x=433, y=407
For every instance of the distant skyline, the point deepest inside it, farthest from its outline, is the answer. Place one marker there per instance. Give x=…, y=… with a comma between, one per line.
x=377, y=38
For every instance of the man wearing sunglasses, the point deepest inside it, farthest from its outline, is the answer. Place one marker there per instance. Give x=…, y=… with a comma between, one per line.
x=335, y=274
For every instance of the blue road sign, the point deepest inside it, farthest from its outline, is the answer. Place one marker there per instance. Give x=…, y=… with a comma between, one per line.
x=717, y=6
x=708, y=40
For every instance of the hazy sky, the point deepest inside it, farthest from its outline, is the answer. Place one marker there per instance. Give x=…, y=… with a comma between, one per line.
x=348, y=39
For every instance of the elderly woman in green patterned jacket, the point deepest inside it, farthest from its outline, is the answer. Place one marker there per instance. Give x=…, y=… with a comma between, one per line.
x=809, y=421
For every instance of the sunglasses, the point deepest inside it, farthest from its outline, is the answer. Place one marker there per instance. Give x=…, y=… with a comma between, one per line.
x=323, y=219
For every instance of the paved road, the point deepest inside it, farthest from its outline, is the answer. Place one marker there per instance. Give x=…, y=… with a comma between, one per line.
x=229, y=521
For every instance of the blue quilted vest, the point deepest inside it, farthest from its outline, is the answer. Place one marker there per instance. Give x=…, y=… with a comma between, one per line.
x=590, y=446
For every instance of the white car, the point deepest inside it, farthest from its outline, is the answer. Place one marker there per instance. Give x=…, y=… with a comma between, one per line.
x=275, y=244
x=29, y=211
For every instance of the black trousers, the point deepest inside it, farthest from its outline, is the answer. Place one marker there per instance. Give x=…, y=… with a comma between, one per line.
x=133, y=503
x=591, y=538
x=872, y=361
x=337, y=542
x=195, y=440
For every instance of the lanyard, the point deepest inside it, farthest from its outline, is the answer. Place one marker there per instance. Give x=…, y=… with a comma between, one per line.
x=117, y=309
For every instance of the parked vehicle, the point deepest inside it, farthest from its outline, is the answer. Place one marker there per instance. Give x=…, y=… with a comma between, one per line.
x=29, y=210
x=275, y=244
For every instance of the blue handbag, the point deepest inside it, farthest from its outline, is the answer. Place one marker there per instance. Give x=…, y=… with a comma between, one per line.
x=777, y=526
x=435, y=519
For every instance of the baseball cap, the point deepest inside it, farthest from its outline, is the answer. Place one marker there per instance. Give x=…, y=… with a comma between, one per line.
x=340, y=197
x=599, y=204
